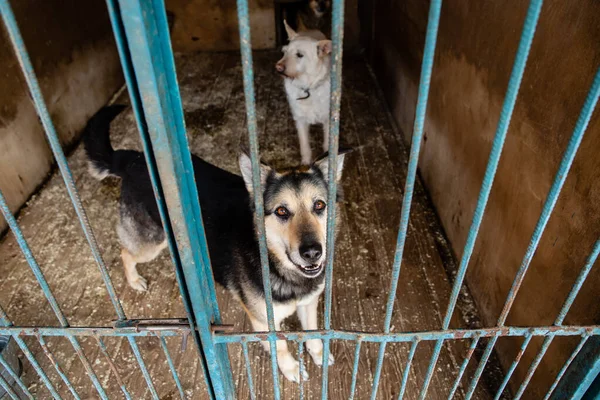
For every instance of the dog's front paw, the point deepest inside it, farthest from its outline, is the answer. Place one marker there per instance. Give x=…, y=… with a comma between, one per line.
x=139, y=283
x=317, y=357
x=291, y=370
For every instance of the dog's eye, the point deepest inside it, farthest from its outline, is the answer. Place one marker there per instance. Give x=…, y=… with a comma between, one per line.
x=299, y=55
x=282, y=212
x=319, y=205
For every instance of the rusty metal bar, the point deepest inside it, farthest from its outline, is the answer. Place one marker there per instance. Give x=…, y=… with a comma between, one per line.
x=59, y=370
x=513, y=366
x=113, y=367
x=463, y=367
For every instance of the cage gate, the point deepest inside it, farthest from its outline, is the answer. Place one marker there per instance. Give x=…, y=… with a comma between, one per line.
x=142, y=37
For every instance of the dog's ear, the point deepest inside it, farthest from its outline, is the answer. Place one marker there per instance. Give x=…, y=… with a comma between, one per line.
x=246, y=170
x=290, y=32
x=322, y=162
x=324, y=47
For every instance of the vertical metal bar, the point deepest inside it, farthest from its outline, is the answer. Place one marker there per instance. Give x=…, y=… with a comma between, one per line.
x=301, y=361
x=355, y=369
x=463, y=367
x=113, y=367
x=249, y=370
x=147, y=34
x=337, y=39
x=11, y=393
x=4, y=321
x=566, y=366
x=16, y=377
x=508, y=106
x=163, y=344
x=40, y=106
x=59, y=370
x=561, y=316
x=481, y=366
x=513, y=366
x=559, y=180
x=140, y=360
x=136, y=102
x=411, y=356
x=423, y=96
x=259, y=221
x=35, y=268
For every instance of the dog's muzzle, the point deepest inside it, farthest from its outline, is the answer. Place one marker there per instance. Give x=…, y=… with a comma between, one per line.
x=311, y=270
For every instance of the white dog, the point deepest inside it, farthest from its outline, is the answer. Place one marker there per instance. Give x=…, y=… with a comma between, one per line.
x=306, y=66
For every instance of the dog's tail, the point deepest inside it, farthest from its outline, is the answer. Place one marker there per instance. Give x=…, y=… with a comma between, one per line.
x=96, y=140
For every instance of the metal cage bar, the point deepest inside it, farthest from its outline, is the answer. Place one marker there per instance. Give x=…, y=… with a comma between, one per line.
x=8, y=389
x=146, y=30
x=508, y=106
x=549, y=204
x=433, y=22
x=513, y=366
x=57, y=367
x=39, y=276
x=13, y=375
x=561, y=316
x=257, y=191
x=406, y=373
x=113, y=367
x=463, y=367
x=355, y=368
x=565, y=366
x=248, y=367
x=6, y=323
x=16, y=39
x=163, y=344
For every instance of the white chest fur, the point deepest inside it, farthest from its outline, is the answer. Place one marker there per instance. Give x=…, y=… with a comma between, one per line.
x=311, y=110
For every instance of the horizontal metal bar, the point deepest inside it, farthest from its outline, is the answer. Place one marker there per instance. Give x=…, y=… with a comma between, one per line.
x=593, y=330
x=377, y=337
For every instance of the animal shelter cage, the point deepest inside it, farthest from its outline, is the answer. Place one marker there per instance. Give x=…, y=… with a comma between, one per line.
x=141, y=32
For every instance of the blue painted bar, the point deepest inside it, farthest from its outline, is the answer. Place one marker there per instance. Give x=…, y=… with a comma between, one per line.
x=40, y=106
x=508, y=106
x=163, y=344
x=513, y=366
x=378, y=368
x=248, y=370
x=406, y=373
x=39, y=276
x=6, y=324
x=140, y=360
x=148, y=39
x=259, y=209
x=113, y=368
x=17, y=378
x=480, y=367
x=581, y=381
x=57, y=367
x=355, y=368
x=559, y=179
x=136, y=103
x=565, y=366
x=9, y=390
x=463, y=367
x=301, y=361
x=335, y=99
x=392, y=337
x=561, y=316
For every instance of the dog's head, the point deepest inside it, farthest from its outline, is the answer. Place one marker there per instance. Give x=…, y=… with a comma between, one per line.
x=304, y=58
x=295, y=204
x=319, y=7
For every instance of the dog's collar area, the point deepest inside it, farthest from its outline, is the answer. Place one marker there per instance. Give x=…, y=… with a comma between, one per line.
x=306, y=92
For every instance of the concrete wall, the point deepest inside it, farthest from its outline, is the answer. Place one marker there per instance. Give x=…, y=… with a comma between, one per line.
x=71, y=46
x=476, y=48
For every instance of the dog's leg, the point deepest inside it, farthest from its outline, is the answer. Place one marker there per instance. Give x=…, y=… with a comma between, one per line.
x=288, y=365
x=303, y=137
x=308, y=318
x=130, y=261
x=134, y=279
x=326, y=135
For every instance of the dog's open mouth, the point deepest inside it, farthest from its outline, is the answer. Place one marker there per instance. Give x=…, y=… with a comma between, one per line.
x=311, y=270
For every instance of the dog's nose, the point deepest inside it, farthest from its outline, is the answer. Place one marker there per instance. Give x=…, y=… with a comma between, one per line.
x=311, y=252
x=280, y=67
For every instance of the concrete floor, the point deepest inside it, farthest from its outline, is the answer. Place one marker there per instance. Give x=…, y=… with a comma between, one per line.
x=212, y=93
